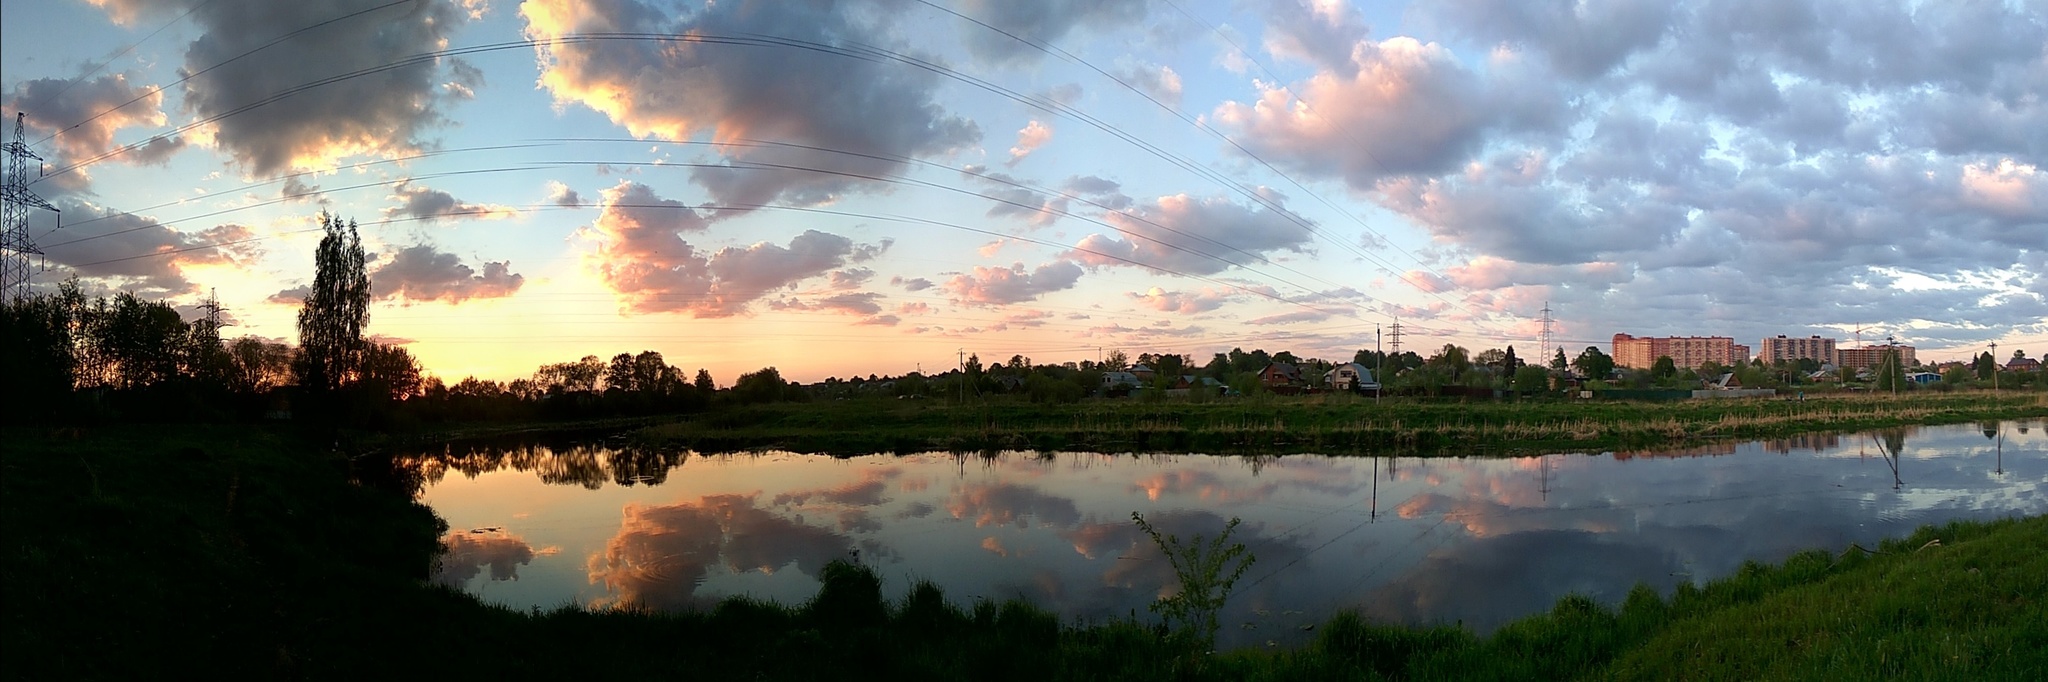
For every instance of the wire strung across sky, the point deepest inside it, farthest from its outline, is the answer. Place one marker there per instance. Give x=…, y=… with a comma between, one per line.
x=867, y=53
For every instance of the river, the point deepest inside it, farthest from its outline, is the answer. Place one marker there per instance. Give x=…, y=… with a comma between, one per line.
x=1474, y=541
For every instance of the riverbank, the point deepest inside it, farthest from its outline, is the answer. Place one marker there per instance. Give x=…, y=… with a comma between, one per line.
x=134, y=552
x=1330, y=424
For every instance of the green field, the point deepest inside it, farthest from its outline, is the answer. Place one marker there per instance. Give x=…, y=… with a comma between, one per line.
x=146, y=552
x=1330, y=424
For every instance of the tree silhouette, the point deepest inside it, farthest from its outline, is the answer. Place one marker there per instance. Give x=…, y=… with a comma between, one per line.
x=331, y=322
x=1594, y=364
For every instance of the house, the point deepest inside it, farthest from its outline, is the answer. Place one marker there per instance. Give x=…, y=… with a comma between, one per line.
x=1280, y=374
x=1350, y=376
x=1923, y=377
x=2023, y=365
x=1144, y=374
x=1726, y=382
x=1115, y=379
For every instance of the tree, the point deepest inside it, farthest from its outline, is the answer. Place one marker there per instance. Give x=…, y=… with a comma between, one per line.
x=1452, y=359
x=1984, y=365
x=1532, y=380
x=389, y=373
x=1558, y=363
x=765, y=386
x=704, y=382
x=1664, y=368
x=1116, y=362
x=331, y=321
x=256, y=366
x=1510, y=364
x=619, y=374
x=1594, y=364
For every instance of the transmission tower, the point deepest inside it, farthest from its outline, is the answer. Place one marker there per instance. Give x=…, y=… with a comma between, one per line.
x=15, y=244
x=1547, y=338
x=1395, y=337
x=209, y=334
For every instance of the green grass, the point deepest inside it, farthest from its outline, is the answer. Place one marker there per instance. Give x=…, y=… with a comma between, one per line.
x=149, y=552
x=1338, y=424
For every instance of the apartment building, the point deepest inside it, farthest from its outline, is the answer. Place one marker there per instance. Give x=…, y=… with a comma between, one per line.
x=1870, y=356
x=1684, y=351
x=1779, y=347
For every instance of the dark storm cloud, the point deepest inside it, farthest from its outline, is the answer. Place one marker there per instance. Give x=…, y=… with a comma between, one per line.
x=676, y=91
x=419, y=273
x=381, y=113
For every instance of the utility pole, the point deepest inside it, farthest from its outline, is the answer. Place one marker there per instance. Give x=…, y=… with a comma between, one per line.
x=15, y=201
x=1894, y=364
x=1379, y=386
x=1546, y=338
x=1994, y=365
x=1396, y=343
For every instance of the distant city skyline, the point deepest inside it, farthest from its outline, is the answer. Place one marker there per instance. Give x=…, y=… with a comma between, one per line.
x=840, y=188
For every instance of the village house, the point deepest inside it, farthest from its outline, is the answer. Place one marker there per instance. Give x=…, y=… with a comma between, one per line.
x=1350, y=376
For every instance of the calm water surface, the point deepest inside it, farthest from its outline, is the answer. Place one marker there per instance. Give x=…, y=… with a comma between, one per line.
x=1409, y=540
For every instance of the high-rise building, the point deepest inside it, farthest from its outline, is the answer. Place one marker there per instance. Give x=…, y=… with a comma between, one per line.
x=1812, y=348
x=1684, y=351
x=1870, y=356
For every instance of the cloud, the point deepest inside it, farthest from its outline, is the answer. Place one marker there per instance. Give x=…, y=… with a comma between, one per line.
x=419, y=273
x=1186, y=303
x=1407, y=107
x=380, y=112
x=662, y=552
x=1159, y=82
x=1043, y=23
x=1316, y=33
x=879, y=110
x=1002, y=286
x=1010, y=504
x=426, y=203
x=85, y=120
x=1186, y=235
x=913, y=284
x=642, y=256
x=858, y=303
x=468, y=553
x=563, y=196
x=1029, y=139
x=136, y=253
x=1291, y=317
x=1580, y=39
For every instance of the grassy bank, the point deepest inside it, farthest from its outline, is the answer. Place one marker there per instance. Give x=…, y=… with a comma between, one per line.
x=137, y=553
x=1327, y=424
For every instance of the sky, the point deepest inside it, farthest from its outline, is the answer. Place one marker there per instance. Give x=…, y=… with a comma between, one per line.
x=839, y=188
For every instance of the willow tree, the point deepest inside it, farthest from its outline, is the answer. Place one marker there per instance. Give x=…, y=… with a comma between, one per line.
x=331, y=345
